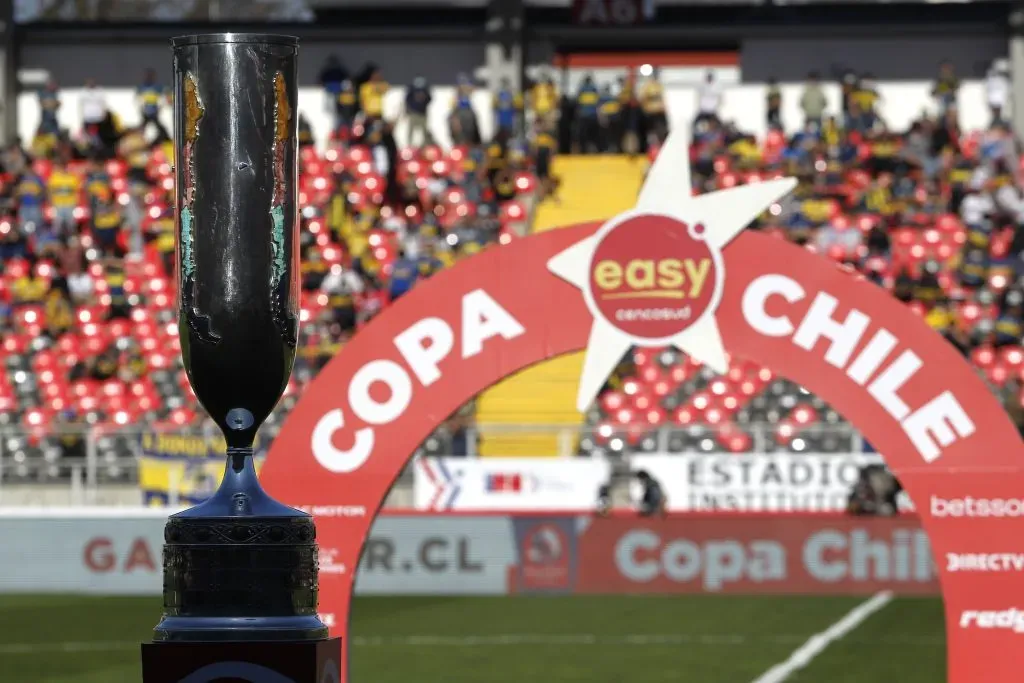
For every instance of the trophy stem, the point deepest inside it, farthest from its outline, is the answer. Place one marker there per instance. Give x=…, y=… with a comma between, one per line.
x=240, y=482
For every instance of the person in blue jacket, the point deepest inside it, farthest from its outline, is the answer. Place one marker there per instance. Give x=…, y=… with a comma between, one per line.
x=403, y=276
x=588, y=106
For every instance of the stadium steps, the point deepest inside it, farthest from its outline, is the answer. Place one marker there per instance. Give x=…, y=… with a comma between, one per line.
x=593, y=188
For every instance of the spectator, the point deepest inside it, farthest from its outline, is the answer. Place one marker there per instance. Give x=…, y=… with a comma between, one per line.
x=997, y=90
x=106, y=224
x=847, y=87
x=13, y=243
x=58, y=312
x=773, y=104
x=31, y=287
x=63, y=188
x=371, y=95
x=709, y=99
x=75, y=267
x=864, y=101
x=610, y=120
x=587, y=104
x=114, y=274
x=508, y=106
x=49, y=105
x=417, y=100
x=94, y=107
x=464, y=127
x=347, y=108
x=404, y=273
x=812, y=101
x=946, y=87
x=151, y=95
x=630, y=114
x=30, y=194
x=544, y=103
x=332, y=76
x=305, y=131
x=652, y=104
x=544, y=146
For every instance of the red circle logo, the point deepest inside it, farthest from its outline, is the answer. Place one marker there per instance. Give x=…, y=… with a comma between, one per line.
x=653, y=276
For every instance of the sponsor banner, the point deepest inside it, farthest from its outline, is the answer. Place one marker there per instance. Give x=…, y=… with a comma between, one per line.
x=404, y=555
x=791, y=554
x=546, y=554
x=789, y=482
x=433, y=555
x=183, y=467
x=508, y=484
x=106, y=556
x=984, y=562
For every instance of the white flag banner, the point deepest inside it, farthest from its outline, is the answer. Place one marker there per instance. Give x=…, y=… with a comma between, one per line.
x=508, y=484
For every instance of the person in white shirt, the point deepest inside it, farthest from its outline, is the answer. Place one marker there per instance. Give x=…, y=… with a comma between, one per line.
x=94, y=105
x=997, y=91
x=709, y=99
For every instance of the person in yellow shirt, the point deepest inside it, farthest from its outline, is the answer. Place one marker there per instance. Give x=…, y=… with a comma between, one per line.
x=134, y=149
x=30, y=288
x=63, y=188
x=544, y=146
x=652, y=104
x=544, y=102
x=865, y=96
x=59, y=316
x=371, y=95
x=30, y=193
x=878, y=198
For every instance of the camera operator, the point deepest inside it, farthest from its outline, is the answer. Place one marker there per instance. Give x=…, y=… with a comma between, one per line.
x=604, y=500
x=874, y=493
x=652, y=500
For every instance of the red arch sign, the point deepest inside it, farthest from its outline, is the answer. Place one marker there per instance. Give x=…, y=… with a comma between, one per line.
x=910, y=393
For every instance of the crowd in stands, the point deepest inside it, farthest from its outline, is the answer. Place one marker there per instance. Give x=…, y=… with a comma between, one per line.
x=87, y=321
x=87, y=324
x=932, y=213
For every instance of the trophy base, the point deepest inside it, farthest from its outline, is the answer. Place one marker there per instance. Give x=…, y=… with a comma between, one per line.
x=239, y=629
x=284, y=662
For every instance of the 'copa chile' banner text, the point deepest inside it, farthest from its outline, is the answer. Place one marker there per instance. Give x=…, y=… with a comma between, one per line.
x=502, y=554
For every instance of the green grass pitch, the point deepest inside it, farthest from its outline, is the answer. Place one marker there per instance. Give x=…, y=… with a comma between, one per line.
x=607, y=639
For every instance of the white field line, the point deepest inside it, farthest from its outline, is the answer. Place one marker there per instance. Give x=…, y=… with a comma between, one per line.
x=513, y=639
x=817, y=643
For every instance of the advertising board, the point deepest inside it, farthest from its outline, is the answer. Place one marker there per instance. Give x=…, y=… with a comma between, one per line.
x=783, y=482
x=437, y=554
x=508, y=484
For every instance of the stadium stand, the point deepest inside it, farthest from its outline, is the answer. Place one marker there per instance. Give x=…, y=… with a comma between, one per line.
x=593, y=188
x=930, y=212
x=89, y=338
x=89, y=334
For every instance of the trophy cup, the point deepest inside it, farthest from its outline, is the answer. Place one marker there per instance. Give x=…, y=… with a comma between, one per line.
x=240, y=570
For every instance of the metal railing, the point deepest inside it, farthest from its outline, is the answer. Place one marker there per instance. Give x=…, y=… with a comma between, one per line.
x=82, y=465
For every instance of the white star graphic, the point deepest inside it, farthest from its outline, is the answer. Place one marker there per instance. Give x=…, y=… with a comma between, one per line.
x=666, y=192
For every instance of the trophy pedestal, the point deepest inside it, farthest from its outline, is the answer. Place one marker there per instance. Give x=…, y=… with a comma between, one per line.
x=315, y=661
